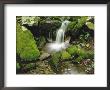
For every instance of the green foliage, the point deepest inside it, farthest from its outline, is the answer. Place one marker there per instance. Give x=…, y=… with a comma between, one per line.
x=71, y=25
x=56, y=58
x=72, y=50
x=80, y=23
x=44, y=28
x=90, y=54
x=65, y=55
x=26, y=45
x=90, y=25
x=86, y=54
x=77, y=23
x=81, y=53
x=17, y=66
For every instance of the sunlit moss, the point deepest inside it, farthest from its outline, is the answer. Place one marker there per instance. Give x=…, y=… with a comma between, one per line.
x=65, y=55
x=72, y=49
x=26, y=45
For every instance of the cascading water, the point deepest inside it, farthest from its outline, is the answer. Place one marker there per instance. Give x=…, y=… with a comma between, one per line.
x=60, y=36
x=59, y=44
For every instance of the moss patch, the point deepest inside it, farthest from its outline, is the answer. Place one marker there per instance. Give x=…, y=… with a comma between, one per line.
x=26, y=45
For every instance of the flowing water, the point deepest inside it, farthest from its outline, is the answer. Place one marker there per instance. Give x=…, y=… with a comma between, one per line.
x=61, y=32
x=59, y=44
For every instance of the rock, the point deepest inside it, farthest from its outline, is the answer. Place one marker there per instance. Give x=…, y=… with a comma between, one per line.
x=26, y=46
x=44, y=56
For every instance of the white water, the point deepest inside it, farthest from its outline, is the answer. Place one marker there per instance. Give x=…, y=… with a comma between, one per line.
x=59, y=44
x=60, y=36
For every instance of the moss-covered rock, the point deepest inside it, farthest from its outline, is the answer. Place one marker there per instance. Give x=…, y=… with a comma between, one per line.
x=26, y=45
x=72, y=49
x=80, y=53
x=86, y=54
x=83, y=54
x=65, y=55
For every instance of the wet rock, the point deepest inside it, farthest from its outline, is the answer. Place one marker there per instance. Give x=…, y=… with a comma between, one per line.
x=44, y=56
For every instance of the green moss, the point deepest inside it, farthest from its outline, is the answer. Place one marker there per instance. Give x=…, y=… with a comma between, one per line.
x=81, y=53
x=26, y=45
x=86, y=54
x=72, y=50
x=90, y=54
x=56, y=58
x=17, y=66
x=65, y=55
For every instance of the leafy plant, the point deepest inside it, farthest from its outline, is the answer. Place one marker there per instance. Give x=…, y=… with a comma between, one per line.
x=80, y=22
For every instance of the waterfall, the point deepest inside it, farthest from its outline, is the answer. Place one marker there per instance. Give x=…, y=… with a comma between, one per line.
x=61, y=32
x=60, y=36
x=59, y=44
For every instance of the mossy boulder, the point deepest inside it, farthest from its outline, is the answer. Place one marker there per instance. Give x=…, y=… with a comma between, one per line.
x=86, y=54
x=26, y=45
x=65, y=55
x=80, y=53
x=72, y=50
